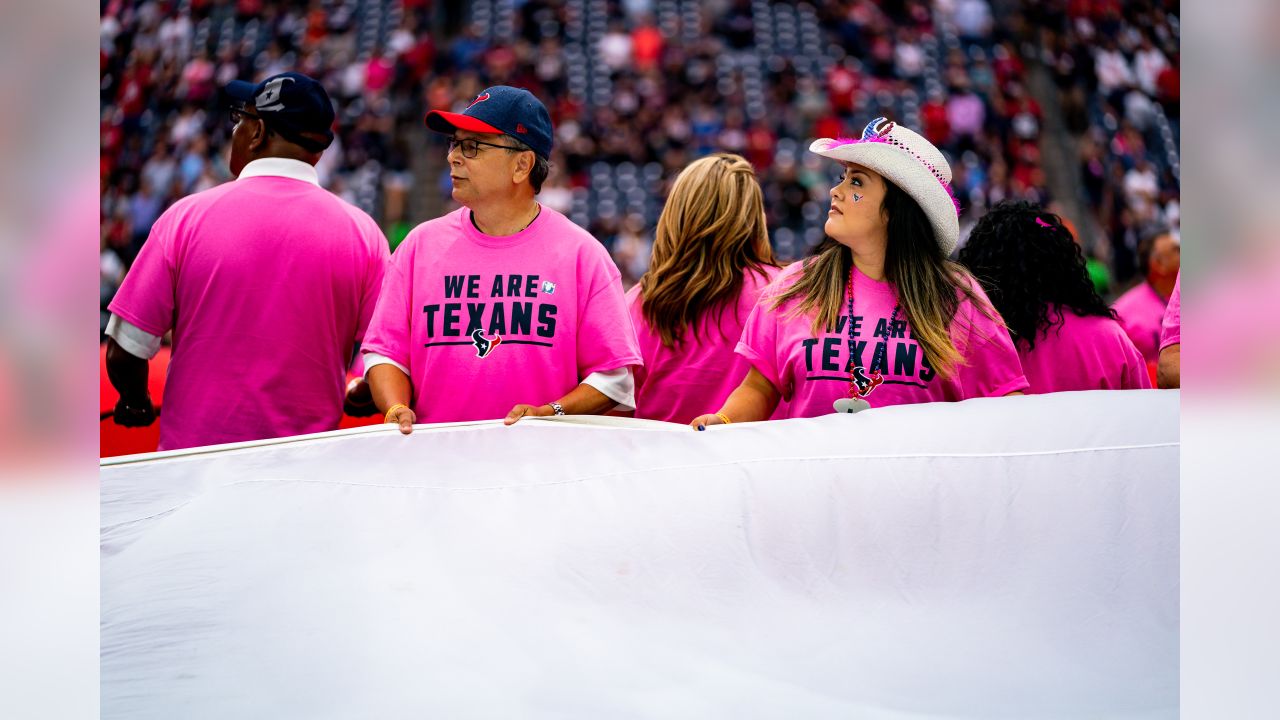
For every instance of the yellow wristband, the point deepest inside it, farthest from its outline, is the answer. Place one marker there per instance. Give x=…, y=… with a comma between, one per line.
x=724, y=418
x=387, y=418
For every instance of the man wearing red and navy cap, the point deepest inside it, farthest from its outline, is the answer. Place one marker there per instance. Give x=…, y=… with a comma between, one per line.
x=267, y=284
x=503, y=308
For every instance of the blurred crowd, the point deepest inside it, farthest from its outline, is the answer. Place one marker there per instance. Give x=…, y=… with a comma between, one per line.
x=164, y=129
x=637, y=89
x=1116, y=66
x=640, y=88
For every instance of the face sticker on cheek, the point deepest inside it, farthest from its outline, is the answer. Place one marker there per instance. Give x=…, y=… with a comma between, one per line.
x=856, y=197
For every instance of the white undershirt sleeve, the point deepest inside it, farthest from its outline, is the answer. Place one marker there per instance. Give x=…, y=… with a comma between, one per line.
x=617, y=385
x=132, y=339
x=373, y=358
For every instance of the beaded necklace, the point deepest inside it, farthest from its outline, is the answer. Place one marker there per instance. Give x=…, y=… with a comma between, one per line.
x=860, y=384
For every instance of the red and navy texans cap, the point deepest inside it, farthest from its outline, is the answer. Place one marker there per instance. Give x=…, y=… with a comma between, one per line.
x=502, y=110
x=291, y=104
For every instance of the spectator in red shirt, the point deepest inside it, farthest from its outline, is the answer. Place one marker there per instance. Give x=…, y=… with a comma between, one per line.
x=646, y=45
x=933, y=116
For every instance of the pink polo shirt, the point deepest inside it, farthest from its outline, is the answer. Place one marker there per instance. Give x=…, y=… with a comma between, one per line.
x=482, y=323
x=1140, y=312
x=1083, y=353
x=811, y=371
x=695, y=377
x=267, y=283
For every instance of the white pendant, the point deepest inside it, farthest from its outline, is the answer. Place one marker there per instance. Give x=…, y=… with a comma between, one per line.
x=851, y=405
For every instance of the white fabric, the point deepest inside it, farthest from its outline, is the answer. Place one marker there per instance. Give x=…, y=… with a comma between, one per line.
x=1006, y=557
x=132, y=339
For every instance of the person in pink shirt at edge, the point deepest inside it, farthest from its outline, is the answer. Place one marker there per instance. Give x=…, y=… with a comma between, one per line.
x=1141, y=309
x=503, y=307
x=1169, y=372
x=1034, y=272
x=711, y=258
x=267, y=283
x=877, y=315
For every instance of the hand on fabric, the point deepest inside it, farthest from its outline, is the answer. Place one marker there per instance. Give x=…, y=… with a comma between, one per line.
x=523, y=410
x=405, y=418
x=136, y=413
x=702, y=421
x=359, y=399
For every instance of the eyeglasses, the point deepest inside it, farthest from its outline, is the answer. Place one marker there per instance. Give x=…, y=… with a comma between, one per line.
x=470, y=147
x=237, y=113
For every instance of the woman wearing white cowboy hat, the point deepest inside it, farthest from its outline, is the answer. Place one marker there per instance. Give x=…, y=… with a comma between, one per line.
x=922, y=330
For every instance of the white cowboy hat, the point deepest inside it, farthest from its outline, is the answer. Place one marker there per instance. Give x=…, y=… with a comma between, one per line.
x=909, y=161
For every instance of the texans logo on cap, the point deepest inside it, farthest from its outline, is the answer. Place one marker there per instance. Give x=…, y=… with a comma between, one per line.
x=506, y=111
x=877, y=128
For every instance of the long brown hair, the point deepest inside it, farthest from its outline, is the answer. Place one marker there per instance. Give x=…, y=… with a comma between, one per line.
x=928, y=285
x=711, y=232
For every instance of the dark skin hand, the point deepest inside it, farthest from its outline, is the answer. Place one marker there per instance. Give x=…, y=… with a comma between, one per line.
x=128, y=375
x=359, y=399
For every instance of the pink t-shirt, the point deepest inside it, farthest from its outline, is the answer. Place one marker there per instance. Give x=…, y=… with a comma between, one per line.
x=1171, y=329
x=483, y=323
x=811, y=372
x=1140, y=312
x=1083, y=353
x=267, y=283
x=678, y=384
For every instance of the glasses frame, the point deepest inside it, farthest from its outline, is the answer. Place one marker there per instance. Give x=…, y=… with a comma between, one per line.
x=454, y=142
x=237, y=113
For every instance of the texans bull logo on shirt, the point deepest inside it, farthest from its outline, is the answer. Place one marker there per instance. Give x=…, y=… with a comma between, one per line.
x=516, y=311
x=484, y=345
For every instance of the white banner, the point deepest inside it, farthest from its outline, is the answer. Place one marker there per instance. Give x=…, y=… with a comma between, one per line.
x=1011, y=558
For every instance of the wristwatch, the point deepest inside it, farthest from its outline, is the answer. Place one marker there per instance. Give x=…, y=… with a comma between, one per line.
x=557, y=407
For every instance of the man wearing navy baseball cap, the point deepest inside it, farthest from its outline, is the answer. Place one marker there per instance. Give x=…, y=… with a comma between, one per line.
x=289, y=105
x=503, y=302
x=267, y=283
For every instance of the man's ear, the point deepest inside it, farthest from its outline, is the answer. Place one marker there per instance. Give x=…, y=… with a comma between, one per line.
x=524, y=166
x=258, y=140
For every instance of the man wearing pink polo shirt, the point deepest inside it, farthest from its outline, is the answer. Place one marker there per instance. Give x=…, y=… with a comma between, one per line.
x=267, y=283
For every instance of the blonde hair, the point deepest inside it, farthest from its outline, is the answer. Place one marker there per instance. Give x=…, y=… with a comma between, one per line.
x=711, y=232
x=929, y=287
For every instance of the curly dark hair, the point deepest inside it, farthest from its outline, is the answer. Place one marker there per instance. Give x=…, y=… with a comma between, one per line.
x=1031, y=267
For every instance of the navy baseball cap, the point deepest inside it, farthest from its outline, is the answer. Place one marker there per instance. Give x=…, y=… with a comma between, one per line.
x=291, y=104
x=502, y=110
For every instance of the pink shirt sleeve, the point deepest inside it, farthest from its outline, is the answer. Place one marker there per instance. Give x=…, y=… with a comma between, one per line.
x=759, y=343
x=1171, y=329
x=374, y=276
x=635, y=310
x=388, y=331
x=146, y=298
x=992, y=367
x=606, y=337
